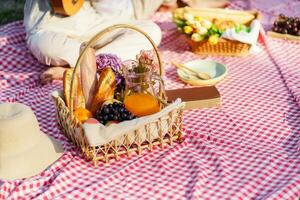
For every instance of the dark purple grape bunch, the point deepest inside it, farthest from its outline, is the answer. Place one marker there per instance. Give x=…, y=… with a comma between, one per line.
x=287, y=25
x=113, y=112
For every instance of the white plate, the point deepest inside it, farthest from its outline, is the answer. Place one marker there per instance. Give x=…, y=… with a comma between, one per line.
x=216, y=70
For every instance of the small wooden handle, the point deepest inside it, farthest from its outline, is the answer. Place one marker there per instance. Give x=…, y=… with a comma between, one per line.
x=201, y=75
x=94, y=39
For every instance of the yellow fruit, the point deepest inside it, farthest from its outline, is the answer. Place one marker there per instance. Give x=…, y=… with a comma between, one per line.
x=213, y=39
x=188, y=29
x=82, y=114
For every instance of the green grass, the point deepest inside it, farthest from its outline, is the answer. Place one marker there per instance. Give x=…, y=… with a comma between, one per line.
x=11, y=10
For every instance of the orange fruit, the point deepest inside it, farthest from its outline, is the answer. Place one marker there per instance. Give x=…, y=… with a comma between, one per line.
x=82, y=114
x=141, y=104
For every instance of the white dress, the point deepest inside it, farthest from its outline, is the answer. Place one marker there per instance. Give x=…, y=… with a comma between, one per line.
x=56, y=40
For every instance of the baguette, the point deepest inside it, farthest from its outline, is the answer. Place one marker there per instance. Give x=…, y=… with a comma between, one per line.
x=79, y=98
x=67, y=85
x=104, y=90
x=88, y=76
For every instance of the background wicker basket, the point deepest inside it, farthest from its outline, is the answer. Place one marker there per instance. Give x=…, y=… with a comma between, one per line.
x=223, y=47
x=168, y=128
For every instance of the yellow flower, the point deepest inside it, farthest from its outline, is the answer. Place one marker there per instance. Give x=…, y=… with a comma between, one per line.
x=213, y=39
x=188, y=29
x=196, y=37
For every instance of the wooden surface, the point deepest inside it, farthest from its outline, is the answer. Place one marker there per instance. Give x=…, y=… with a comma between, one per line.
x=199, y=97
x=283, y=36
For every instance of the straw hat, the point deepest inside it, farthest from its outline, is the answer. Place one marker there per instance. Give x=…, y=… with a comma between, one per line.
x=24, y=150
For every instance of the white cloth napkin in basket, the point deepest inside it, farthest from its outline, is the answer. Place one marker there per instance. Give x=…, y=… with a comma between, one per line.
x=98, y=134
x=248, y=38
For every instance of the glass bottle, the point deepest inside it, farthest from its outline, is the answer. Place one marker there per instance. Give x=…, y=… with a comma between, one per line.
x=140, y=96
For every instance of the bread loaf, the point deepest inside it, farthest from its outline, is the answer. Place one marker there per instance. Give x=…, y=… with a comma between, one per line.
x=79, y=101
x=79, y=98
x=104, y=90
x=67, y=85
x=88, y=75
x=239, y=17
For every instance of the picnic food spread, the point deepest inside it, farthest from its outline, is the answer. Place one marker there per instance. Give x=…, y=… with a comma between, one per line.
x=199, y=28
x=246, y=149
x=128, y=112
x=138, y=93
x=203, y=24
x=218, y=31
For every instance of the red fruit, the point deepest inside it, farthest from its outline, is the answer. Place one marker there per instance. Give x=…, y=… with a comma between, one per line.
x=92, y=121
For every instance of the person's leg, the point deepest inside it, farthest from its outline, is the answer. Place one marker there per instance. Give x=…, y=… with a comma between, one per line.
x=144, y=8
x=52, y=73
x=203, y=3
x=129, y=44
x=55, y=50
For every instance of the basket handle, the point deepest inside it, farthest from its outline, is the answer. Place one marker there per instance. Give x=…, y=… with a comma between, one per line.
x=91, y=43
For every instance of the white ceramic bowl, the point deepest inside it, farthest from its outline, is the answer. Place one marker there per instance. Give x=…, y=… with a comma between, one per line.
x=216, y=70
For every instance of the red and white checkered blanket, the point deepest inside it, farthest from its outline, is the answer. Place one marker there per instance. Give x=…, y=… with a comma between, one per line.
x=247, y=149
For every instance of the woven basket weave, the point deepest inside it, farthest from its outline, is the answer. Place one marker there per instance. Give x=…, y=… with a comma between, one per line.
x=168, y=128
x=223, y=47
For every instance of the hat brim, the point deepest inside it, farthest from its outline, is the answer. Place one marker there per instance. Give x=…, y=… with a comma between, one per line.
x=32, y=161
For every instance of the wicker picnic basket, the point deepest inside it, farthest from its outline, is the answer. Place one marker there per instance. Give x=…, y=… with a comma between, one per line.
x=224, y=46
x=132, y=142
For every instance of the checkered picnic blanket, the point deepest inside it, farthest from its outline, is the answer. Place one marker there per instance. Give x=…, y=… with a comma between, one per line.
x=247, y=149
